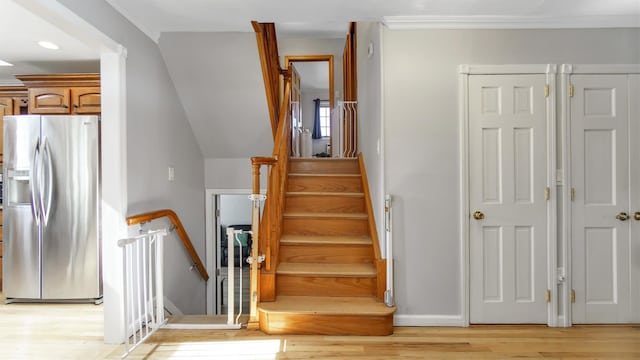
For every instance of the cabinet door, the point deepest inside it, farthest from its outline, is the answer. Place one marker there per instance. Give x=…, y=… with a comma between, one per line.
x=6, y=108
x=49, y=101
x=85, y=100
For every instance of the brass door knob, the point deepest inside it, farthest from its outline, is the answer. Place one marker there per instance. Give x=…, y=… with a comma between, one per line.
x=623, y=216
x=637, y=215
x=478, y=215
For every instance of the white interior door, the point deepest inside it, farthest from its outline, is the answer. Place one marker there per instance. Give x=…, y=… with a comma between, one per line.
x=603, y=264
x=508, y=171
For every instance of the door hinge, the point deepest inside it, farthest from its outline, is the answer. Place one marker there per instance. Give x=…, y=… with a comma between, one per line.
x=548, y=296
x=573, y=296
x=547, y=193
x=546, y=90
x=571, y=90
x=573, y=194
x=217, y=212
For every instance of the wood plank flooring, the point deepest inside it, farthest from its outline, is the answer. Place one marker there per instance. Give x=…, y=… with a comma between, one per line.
x=54, y=331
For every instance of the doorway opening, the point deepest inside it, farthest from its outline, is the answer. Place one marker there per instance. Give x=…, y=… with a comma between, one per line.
x=314, y=125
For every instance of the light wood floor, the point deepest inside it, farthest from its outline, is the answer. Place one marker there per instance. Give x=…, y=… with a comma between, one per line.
x=37, y=331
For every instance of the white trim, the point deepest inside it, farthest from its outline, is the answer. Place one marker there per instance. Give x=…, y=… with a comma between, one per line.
x=565, y=319
x=211, y=256
x=114, y=189
x=170, y=307
x=463, y=147
x=170, y=326
x=463, y=151
x=600, y=69
x=473, y=69
x=414, y=22
x=428, y=320
x=552, y=204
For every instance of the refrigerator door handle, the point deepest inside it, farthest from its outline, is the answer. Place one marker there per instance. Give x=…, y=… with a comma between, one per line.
x=49, y=181
x=35, y=196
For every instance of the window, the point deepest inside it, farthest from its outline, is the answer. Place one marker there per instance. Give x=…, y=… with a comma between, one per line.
x=325, y=119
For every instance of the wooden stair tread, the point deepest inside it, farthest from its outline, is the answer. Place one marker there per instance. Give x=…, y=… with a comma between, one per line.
x=323, y=175
x=327, y=305
x=326, y=215
x=324, y=193
x=288, y=239
x=326, y=270
x=308, y=159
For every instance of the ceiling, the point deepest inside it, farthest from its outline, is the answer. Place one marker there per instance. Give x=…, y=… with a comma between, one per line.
x=21, y=31
x=294, y=18
x=329, y=18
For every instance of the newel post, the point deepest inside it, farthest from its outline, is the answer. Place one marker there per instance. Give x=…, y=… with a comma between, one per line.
x=255, y=259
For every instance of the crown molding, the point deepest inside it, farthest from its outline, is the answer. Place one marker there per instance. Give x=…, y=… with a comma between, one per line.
x=511, y=22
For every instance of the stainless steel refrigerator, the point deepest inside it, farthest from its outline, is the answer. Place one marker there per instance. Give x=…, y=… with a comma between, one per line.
x=51, y=208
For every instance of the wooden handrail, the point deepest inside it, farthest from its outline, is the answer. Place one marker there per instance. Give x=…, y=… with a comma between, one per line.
x=182, y=234
x=271, y=70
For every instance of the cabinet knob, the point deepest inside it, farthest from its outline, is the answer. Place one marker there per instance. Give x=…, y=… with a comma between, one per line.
x=75, y=106
x=64, y=106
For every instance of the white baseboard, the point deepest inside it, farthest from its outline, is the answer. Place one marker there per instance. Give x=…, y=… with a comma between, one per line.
x=428, y=320
x=171, y=307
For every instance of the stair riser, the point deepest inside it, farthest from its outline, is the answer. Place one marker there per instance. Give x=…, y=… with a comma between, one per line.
x=325, y=166
x=310, y=253
x=328, y=227
x=324, y=203
x=325, y=286
x=312, y=324
x=324, y=184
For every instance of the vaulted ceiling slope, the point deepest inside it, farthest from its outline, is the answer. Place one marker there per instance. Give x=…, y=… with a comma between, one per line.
x=219, y=81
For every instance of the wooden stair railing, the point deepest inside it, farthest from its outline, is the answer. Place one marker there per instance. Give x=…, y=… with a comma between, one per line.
x=271, y=70
x=182, y=234
x=269, y=228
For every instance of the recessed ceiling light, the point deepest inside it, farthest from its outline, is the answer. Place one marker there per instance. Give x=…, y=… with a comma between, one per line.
x=48, y=45
x=4, y=63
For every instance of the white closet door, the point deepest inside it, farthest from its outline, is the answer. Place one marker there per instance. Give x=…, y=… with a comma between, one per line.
x=600, y=178
x=507, y=157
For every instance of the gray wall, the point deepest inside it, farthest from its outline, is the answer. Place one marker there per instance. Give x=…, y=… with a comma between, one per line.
x=158, y=136
x=420, y=74
x=316, y=46
x=370, y=116
x=219, y=82
x=235, y=210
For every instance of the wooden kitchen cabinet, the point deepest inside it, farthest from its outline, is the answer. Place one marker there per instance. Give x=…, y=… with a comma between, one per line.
x=73, y=94
x=13, y=101
x=49, y=101
x=85, y=100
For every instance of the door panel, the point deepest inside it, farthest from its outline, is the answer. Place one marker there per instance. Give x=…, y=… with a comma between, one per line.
x=507, y=157
x=70, y=252
x=20, y=234
x=600, y=177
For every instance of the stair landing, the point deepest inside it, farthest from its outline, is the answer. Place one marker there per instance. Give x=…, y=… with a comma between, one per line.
x=316, y=315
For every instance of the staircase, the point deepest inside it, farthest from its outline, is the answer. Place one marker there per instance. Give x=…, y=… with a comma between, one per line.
x=329, y=279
